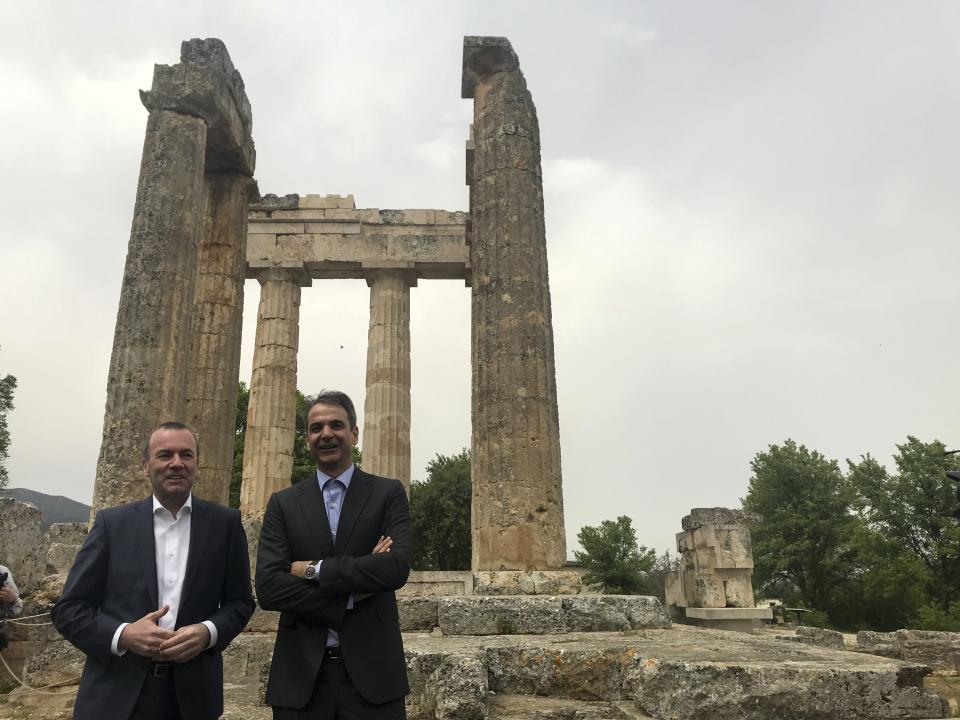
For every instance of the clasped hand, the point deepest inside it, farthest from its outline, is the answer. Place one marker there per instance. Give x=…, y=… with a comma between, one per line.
x=145, y=637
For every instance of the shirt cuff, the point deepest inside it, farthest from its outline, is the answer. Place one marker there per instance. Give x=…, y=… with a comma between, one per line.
x=317, y=566
x=115, y=643
x=350, y=602
x=213, y=633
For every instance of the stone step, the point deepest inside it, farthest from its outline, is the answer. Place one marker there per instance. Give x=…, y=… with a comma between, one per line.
x=527, y=707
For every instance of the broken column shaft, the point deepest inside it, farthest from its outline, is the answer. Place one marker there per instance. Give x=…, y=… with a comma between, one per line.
x=517, y=494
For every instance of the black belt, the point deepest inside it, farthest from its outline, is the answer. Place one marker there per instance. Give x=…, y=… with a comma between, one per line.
x=161, y=669
x=332, y=653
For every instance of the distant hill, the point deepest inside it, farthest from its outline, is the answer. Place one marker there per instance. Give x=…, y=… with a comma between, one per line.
x=55, y=508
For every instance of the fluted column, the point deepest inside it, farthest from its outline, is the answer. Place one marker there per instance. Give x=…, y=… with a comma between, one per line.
x=147, y=380
x=386, y=412
x=217, y=320
x=271, y=415
x=517, y=494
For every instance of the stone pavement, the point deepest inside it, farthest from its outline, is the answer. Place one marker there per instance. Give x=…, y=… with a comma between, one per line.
x=686, y=673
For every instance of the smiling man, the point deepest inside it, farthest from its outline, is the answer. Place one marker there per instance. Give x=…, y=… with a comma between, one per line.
x=158, y=590
x=333, y=549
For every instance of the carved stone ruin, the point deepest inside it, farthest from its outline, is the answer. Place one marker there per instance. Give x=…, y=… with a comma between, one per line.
x=517, y=637
x=176, y=348
x=713, y=585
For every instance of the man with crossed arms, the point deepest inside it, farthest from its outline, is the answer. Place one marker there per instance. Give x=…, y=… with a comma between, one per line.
x=333, y=548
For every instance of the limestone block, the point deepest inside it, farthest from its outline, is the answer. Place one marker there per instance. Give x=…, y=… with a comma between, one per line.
x=939, y=650
x=20, y=542
x=60, y=557
x=708, y=591
x=595, y=613
x=737, y=588
x=575, y=672
x=433, y=583
x=718, y=516
x=206, y=85
x=673, y=587
x=534, y=582
x=58, y=662
x=878, y=643
x=335, y=214
x=485, y=615
x=452, y=687
x=275, y=228
x=819, y=637
x=327, y=201
x=263, y=621
x=332, y=228
x=418, y=614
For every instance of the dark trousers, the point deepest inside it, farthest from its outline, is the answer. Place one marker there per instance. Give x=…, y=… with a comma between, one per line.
x=335, y=698
x=157, y=699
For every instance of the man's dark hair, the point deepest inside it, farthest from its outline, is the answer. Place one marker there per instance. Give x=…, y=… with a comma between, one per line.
x=331, y=397
x=169, y=425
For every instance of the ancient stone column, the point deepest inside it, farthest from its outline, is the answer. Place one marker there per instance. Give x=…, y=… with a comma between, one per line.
x=199, y=124
x=148, y=367
x=218, y=316
x=386, y=412
x=271, y=415
x=517, y=494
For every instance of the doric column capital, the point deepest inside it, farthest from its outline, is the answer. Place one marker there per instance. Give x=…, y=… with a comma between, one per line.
x=405, y=272
x=282, y=273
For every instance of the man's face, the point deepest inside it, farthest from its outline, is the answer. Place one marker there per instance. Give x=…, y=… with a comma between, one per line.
x=171, y=465
x=330, y=438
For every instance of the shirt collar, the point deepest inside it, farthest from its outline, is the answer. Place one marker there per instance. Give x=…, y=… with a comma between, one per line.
x=188, y=505
x=345, y=477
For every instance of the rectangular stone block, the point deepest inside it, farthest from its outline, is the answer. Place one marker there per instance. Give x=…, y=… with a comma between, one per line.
x=327, y=201
x=333, y=228
x=485, y=615
x=709, y=592
x=276, y=228
x=673, y=587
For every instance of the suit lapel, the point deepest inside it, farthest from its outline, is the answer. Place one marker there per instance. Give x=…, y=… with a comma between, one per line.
x=145, y=547
x=199, y=530
x=315, y=515
x=357, y=495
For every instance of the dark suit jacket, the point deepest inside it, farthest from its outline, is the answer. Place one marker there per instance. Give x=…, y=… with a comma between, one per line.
x=114, y=580
x=295, y=527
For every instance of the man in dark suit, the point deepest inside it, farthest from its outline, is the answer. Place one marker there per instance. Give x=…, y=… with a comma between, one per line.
x=158, y=590
x=333, y=548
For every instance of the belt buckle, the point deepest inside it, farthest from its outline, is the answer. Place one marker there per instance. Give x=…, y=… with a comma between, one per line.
x=333, y=653
x=160, y=670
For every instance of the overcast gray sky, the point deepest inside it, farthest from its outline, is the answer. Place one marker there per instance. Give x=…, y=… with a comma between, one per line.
x=752, y=214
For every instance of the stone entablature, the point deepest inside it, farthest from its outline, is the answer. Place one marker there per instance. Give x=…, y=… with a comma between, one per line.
x=329, y=237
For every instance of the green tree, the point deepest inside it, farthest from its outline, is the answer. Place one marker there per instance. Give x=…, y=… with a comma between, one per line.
x=613, y=559
x=7, y=385
x=804, y=544
x=440, y=514
x=913, y=508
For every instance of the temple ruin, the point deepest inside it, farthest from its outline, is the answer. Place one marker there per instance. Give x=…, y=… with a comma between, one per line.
x=200, y=228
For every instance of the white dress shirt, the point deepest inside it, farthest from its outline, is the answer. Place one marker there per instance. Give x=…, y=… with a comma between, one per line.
x=171, y=543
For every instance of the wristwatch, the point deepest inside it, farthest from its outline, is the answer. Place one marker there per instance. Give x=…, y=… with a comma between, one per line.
x=311, y=572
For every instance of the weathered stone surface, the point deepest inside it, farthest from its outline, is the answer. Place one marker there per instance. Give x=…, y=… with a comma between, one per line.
x=386, y=413
x=526, y=707
x=699, y=517
x=206, y=85
x=434, y=583
x=448, y=687
x=211, y=404
x=271, y=415
x=539, y=615
x=517, y=495
x=817, y=636
x=58, y=663
x=534, y=582
x=477, y=615
x=938, y=650
x=418, y=614
x=20, y=541
x=147, y=381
